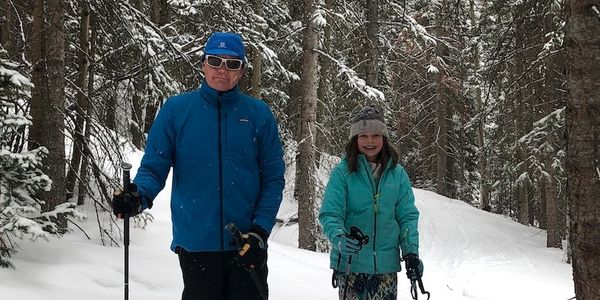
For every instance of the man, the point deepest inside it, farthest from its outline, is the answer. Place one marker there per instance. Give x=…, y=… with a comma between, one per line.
x=228, y=167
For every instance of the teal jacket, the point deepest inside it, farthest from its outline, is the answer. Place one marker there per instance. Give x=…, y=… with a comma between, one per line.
x=386, y=213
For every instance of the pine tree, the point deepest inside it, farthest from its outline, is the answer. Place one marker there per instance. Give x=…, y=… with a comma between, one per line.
x=22, y=177
x=583, y=134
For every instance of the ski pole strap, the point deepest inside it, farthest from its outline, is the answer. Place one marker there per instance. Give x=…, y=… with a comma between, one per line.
x=334, y=282
x=413, y=288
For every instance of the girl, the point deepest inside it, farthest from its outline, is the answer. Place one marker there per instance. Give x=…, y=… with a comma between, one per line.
x=368, y=190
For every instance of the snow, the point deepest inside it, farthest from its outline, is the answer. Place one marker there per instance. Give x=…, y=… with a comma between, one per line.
x=13, y=76
x=596, y=10
x=432, y=69
x=468, y=254
x=319, y=18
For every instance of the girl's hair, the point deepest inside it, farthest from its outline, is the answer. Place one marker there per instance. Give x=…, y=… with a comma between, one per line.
x=387, y=152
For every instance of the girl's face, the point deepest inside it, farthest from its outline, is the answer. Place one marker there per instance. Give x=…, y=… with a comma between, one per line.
x=370, y=144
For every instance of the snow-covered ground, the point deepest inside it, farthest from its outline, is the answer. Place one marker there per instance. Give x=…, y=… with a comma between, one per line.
x=468, y=254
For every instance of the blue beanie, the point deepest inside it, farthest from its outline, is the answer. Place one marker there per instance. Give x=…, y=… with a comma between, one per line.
x=225, y=43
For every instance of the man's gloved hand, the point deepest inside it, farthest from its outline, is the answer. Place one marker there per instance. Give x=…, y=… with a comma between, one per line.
x=414, y=266
x=254, y=251
x=346, y=245
x=127, y=204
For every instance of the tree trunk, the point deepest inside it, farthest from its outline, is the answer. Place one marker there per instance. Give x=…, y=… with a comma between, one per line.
x=109, y=119
x=522, y=196
x=138, y=103
x=305, y=160
x=551, y=197
x=441, y=125
x=583, y=138
x=81, y=107
x=159, y=14
x=5, y=25
x=372, y=45
x=87, y=156
x=323, y=138
x=12, y=37
x=165, y=15
x=48, y=97
x=256, y=61
x=255, y=90
x=296, y=9
x=484, y=187
x=520, y=109
x=137, y=121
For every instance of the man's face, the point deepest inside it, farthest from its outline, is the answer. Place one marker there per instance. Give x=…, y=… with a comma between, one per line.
x=221, y=78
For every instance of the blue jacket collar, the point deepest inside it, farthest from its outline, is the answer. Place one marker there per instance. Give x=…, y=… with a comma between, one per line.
x=211, y=95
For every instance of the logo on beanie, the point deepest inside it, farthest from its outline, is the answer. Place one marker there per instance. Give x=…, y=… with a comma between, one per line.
x=222, y=45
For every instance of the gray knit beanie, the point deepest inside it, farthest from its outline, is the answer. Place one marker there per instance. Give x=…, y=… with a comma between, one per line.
x=369, y=120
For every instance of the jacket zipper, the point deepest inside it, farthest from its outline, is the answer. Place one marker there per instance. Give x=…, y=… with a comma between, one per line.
x=376, y=209
x=220, y=153
x=376, y=197
x=375, y=187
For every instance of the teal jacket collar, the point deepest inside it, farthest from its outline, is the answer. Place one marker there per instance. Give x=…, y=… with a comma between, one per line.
x=364, y=163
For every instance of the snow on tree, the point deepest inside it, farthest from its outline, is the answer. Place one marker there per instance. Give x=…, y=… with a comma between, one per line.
x=21, y=213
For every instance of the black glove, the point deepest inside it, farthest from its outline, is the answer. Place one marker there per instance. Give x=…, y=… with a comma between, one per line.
x=414, y=266
x=127, y=204
x=254, y=251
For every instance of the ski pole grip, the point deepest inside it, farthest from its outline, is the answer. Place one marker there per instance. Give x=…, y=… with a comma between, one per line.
x=236, y=234
x=358, y=235
x=237, y=238
x=126, y=167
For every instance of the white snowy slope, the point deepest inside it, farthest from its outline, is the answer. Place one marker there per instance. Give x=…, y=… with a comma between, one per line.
x=468, y=254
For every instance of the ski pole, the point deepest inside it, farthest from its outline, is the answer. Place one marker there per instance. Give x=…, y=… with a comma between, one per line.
x=347, y=275
x=237, y=238
x=126, y=180
x=362, y=239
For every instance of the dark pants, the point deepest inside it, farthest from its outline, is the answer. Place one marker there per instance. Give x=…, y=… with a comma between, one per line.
x=214, y=276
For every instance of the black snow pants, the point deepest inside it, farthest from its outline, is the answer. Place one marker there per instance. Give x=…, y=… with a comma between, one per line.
x=215, y=276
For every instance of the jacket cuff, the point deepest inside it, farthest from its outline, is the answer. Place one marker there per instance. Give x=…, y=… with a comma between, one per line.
x=146, y=202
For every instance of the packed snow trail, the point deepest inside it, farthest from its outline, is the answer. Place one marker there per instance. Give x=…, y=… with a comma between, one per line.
x=468, y=254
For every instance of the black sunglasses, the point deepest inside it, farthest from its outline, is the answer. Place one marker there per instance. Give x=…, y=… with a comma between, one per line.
x=230, y=63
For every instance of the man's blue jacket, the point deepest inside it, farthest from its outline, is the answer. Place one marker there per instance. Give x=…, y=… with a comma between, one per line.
x=227, y=162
